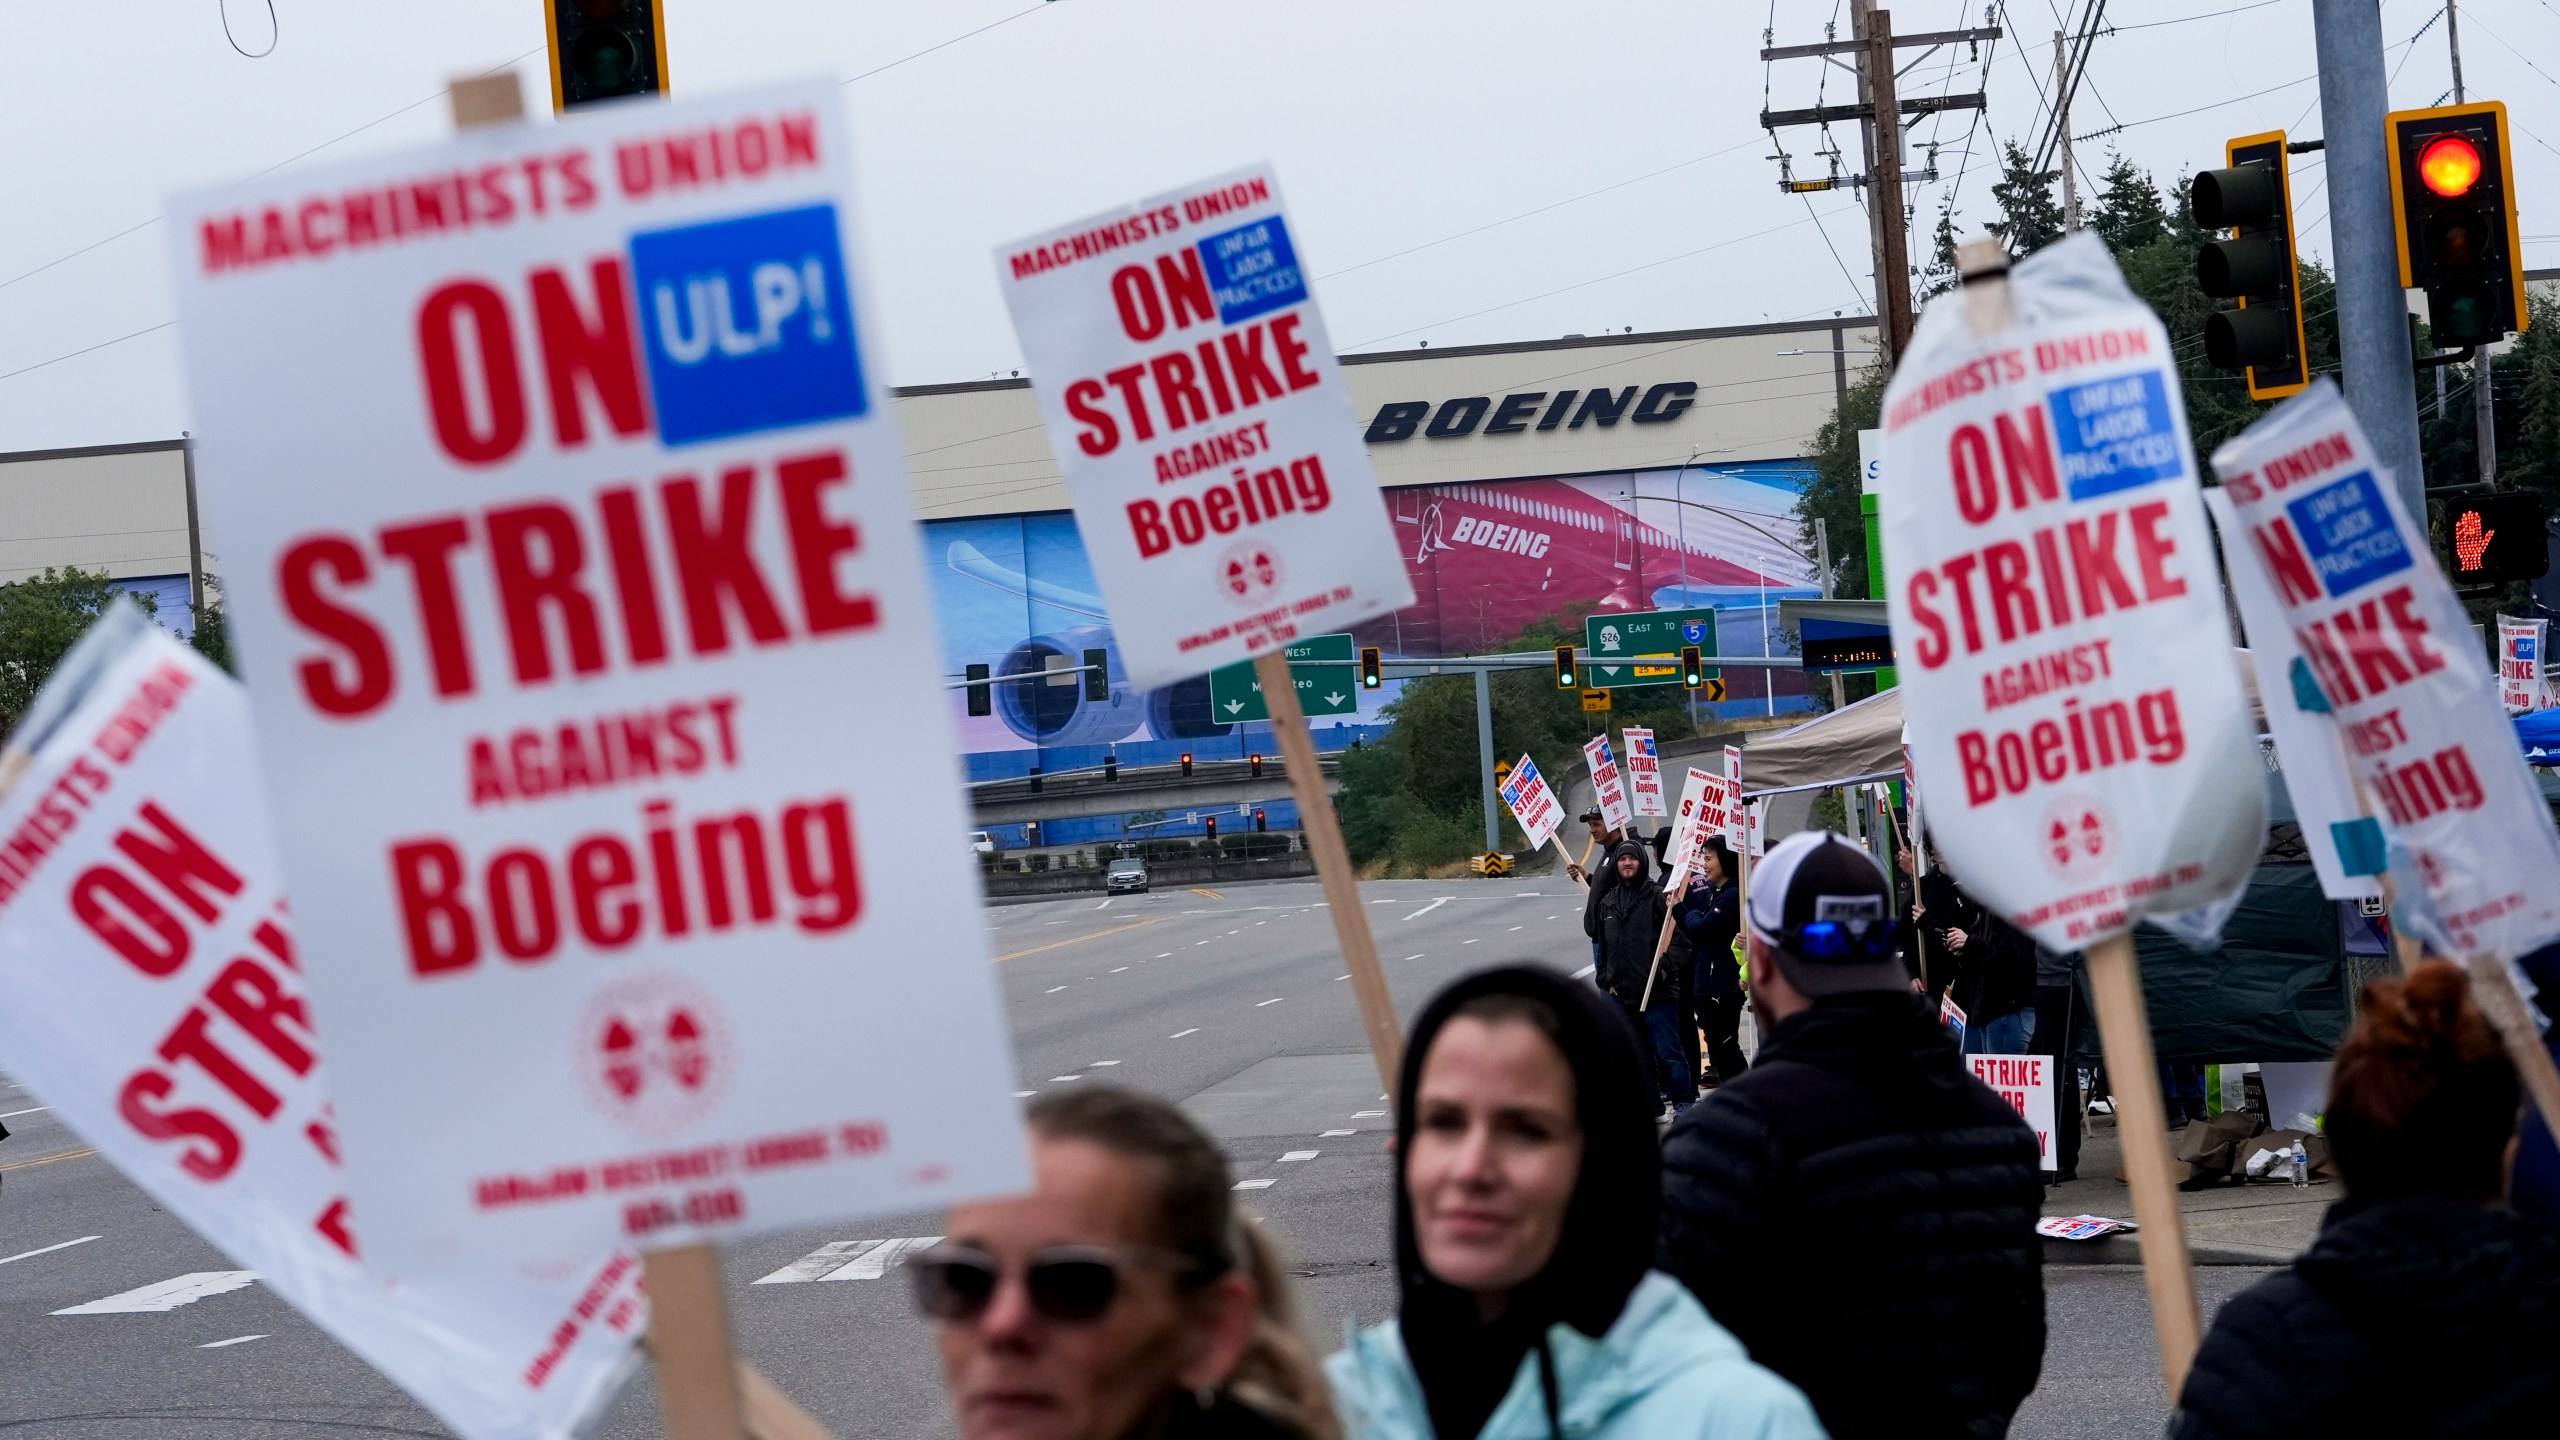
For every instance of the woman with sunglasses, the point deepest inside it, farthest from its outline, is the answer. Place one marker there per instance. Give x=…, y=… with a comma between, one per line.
x=1527, y=1180
x=1124, y=1298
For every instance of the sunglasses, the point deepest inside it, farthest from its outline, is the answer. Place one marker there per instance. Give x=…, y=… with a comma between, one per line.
x=1072, y=1284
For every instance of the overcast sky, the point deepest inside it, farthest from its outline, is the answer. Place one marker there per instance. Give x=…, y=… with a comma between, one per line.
x=1459, y=171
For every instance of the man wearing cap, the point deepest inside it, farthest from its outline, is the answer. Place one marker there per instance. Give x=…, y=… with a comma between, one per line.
x=1857, y=1208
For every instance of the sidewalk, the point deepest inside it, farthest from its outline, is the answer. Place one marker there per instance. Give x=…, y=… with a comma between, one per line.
x=2253, y=1224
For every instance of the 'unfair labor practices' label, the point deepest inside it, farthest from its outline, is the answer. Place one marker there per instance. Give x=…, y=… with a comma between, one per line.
x=2115, y=434
x=749, y=323
x=1253, y=269
x=2351, y=538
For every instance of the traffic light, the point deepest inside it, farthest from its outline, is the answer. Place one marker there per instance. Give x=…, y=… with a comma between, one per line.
x=2453, y=189
x=2493, y=539
x=1261, y=822
x=1111, y=769
x=2253, y=199
x=1568, y=676
x=1256, y=763
x=1372, y=668
x=1186, y=765
x=982, y=695
x=1097, y=675
x=1213, y=826
x=604, y=50
x=1693, y=668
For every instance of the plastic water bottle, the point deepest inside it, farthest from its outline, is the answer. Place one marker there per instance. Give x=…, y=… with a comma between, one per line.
x=2301, y=1166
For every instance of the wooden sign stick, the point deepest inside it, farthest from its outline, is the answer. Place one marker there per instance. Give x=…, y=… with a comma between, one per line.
x=689, y=1339
x=1567, y=857
x=2506, y=1009
x=2133, y=1073
x=1333, y=865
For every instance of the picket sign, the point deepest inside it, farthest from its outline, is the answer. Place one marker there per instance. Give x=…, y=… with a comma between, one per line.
x=1702, y=817
x=2346, y=845
x=2474, y=854
x=1202, y=426
x=2068, y=680
x=1644, y=771
x=2026, y=1082
x=2521, y=686
x=1206, y=438
x=1614, y=810
x=1525, y=794
x=569, y=532
x=156, y=1004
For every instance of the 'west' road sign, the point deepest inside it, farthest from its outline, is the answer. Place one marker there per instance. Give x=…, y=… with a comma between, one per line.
x=1325, y=667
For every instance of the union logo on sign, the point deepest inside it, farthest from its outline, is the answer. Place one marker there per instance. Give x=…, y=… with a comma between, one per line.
x=2077, y=834
x=1249, y=572
x=654, y=1053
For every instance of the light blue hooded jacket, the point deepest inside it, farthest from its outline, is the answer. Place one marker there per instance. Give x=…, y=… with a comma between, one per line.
x=1665, y=1371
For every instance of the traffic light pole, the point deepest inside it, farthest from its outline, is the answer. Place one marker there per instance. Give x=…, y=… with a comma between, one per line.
x=2373, y=312
x=1484, y=761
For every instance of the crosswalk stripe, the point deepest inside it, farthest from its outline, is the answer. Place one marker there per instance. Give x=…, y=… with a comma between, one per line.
x=877, y=1262
x=167, y=1294
x=850, y=1260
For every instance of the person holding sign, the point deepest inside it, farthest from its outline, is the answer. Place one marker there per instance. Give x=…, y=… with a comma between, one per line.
x=1124, y=1297
x=1858, y=1208
x=1709, y=913
x=1526, y=1186
x=1624, y=918
x=2426, y=1306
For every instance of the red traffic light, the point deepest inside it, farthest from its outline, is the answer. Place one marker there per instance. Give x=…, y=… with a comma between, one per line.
x=2450, y=165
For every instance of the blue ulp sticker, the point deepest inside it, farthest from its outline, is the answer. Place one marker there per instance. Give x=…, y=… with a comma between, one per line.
x=748, y=325
x=2349, y=533
x=1253, y=269
x=2115, y=434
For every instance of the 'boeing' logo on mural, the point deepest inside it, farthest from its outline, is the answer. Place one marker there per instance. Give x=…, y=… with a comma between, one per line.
x=1532, y=410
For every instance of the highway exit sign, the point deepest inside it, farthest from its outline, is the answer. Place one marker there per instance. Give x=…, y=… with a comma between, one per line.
x=1325, y=667
x=1629, y=650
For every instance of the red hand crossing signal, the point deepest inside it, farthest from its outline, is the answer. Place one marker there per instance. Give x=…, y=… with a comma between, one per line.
x=2470, y=541
x=2496, y=539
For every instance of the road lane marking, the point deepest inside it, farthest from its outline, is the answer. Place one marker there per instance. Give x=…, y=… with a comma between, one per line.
x=1054, y=989
x=1296, y=1155
x=1583, y=972
x=1099, y=1063
x=876, y=1263
x=1212, y=894
x=46, y=1160
x=1255, y=1184
x=834, y=1255
x=1080, y=939
x=167, y=1294
x=1515, y=927
x=1526, y=894
x=1116, y=969
x=1166, y=955
x=1416, y=955
x=1469, y=942
x=1063, y=1079
x=46, y=1250
x=1427, y=909
x=1106, y=902
x=234, y=1340
x=1178, y=1034
x=14, y=1114
x=1329, y=1134
x=1367, y=1114
x=1024, y=1094
x=1274, y=1000
x=1341, y=977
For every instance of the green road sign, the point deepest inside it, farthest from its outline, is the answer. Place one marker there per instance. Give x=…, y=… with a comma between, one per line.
x=1650, y=644
x=1325, y=667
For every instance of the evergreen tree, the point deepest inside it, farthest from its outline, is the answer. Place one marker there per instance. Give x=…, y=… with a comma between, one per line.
x=2128, y=214
x=1832, y=494
x=40, y=617
x=1939, y=276
x=2030, y=217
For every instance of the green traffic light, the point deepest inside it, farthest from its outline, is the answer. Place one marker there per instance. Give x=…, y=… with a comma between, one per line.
x=605, y=59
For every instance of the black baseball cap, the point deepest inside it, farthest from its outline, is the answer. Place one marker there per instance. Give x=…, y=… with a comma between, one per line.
x=1822, y=905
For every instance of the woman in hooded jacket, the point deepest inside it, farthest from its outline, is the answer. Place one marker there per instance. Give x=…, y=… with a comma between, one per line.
x=1527, y=1174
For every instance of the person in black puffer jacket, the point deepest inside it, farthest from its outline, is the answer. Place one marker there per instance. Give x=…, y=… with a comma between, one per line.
x=1857, y=1208
x=1623, y=917
x=2426, y=1308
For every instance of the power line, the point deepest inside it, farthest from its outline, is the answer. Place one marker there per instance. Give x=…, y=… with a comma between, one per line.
x=85, y=349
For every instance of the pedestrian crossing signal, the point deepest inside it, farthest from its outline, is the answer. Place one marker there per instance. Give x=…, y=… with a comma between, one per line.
x=1568, y=676
x=1693, y=668
x=1372, y=668
x=982, y=697
x=2496, y=539
x=1097, y=676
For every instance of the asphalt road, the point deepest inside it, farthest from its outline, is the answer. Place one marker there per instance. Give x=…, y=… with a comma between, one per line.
x=1234, y=1002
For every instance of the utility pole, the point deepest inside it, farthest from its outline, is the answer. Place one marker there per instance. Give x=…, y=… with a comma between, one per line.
x=1884, y=188
x=2483, y=398
x=2062, y=131
x=2373, y=311
x=1879, y=112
